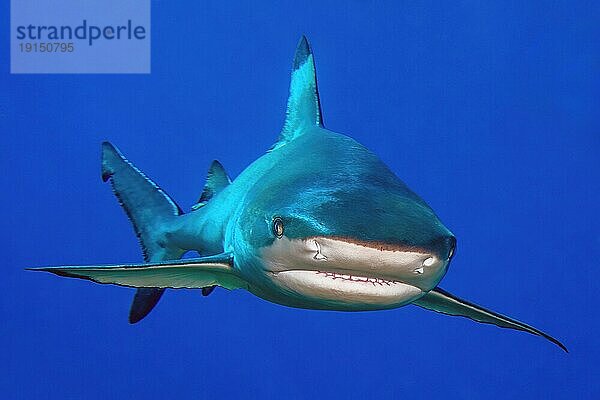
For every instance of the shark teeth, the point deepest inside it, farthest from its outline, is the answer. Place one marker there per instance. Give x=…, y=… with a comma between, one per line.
x=354, y=278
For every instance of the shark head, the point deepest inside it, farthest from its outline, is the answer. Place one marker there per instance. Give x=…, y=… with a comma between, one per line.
x=341, y=232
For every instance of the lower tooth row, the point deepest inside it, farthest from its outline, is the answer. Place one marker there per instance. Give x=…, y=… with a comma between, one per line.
x=356, y=278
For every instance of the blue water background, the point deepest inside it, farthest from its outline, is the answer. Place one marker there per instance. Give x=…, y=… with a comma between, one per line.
x=489, y=110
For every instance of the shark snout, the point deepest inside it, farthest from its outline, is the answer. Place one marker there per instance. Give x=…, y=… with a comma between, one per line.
x=347, y=258
x=422, y=267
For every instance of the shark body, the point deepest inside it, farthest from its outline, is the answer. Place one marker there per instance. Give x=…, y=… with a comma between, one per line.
x=318, y=222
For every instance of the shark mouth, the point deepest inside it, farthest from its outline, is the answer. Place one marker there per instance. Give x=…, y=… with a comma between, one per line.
x=350, y=275
x=345, y=291
x=355, y=278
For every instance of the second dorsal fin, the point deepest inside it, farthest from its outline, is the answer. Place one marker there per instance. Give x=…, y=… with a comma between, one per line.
x=216, y=180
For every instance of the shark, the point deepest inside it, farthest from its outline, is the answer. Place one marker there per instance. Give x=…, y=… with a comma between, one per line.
x=317, y=222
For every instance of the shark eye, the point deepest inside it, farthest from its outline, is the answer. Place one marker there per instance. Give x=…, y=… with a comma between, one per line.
x=278, y=227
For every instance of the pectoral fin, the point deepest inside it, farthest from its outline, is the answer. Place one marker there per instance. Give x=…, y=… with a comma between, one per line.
x=188, y=273
x=443, y=302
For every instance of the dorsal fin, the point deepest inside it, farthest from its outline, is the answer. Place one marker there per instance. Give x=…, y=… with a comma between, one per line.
x=216, y=180
x=303, y=106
